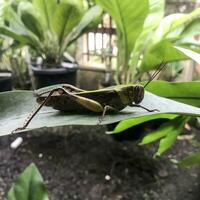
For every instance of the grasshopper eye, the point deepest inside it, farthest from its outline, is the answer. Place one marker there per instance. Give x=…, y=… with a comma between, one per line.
x=131, y=92
x=138, y=93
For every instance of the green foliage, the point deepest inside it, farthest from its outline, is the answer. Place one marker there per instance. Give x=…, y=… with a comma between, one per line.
x=185, y=92
x=28, y=186
x=128, y=123
x=153, y=41
x=190, y=54
x=166, y=35
x=48, y=27
x=193, y=159
x=167, y=133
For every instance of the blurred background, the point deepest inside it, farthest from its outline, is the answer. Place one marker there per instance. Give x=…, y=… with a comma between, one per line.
x=92, y=45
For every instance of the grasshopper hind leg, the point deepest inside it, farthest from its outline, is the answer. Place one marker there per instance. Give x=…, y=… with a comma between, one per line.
x=87, y=103
x=32, y=115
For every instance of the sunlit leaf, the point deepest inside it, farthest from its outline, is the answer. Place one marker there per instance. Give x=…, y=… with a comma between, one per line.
x=189, y=53
x=185, y=92
x=168, y=34
x=90, y=20
x=174, y=129
x=128, y=123
x=66, y=17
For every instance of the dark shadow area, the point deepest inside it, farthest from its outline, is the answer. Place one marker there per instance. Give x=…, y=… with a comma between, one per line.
x=83, y=163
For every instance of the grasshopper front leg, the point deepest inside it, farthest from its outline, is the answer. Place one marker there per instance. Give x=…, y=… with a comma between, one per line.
x=106, y=108
x=139, y=106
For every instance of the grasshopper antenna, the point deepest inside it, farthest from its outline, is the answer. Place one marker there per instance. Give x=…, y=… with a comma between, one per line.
x=159, y=69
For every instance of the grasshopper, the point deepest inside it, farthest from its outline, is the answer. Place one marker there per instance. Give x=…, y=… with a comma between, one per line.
x=67, y=98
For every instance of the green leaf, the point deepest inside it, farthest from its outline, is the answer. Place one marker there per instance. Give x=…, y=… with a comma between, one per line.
x=28, y=186
x=167, y=132
x=189, y=53
x=125, y=124
x=15, y=23
x=163, y=51
x=172, y=131
x=191, y=29
x=185, y=92
x=190, y=160
x=172, y=25
x=30, y=19
x=165, y=129
x=90, y=20
x=155, y=15
x=16, y=106
x=66, y=17
x=24, y=39
x=129, y=17
x=46, y=9
x=167, y=35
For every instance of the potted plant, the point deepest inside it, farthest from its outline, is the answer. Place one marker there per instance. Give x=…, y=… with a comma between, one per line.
x=5, y=80
x=48, y=28
x=5, y=72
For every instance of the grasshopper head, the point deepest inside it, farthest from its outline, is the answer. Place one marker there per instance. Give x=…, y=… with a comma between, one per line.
x=137, y=93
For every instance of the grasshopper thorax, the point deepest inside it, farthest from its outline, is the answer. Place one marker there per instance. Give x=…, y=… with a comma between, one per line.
x=136, y=93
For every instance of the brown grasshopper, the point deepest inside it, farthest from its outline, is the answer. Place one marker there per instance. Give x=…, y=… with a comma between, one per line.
x=68, y=98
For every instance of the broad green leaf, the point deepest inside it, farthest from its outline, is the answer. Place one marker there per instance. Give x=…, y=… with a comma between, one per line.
x=28, y=186
x=90, y=20
x=24, y=39
x=16, y=106
x=165, y=129
x=167, y=35
x=129, y=17
x=163, y=51
x=191, y=29
x=169, y=25
x=18, y=31
x=190, y=160
x=172, y=131
x=29, y=18
x=128, y=123
x=189, y=53
x=15, y=22
x=155, y=15
x=185, y=92
x=167, y=132
x=46, y=9
x=66, y=17
x=172, y=25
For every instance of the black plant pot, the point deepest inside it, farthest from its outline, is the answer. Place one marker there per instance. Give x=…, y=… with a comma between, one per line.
x=46, y=77
x=5, y=81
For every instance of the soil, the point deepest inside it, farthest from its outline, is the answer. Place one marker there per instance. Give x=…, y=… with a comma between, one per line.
x=83, y=163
